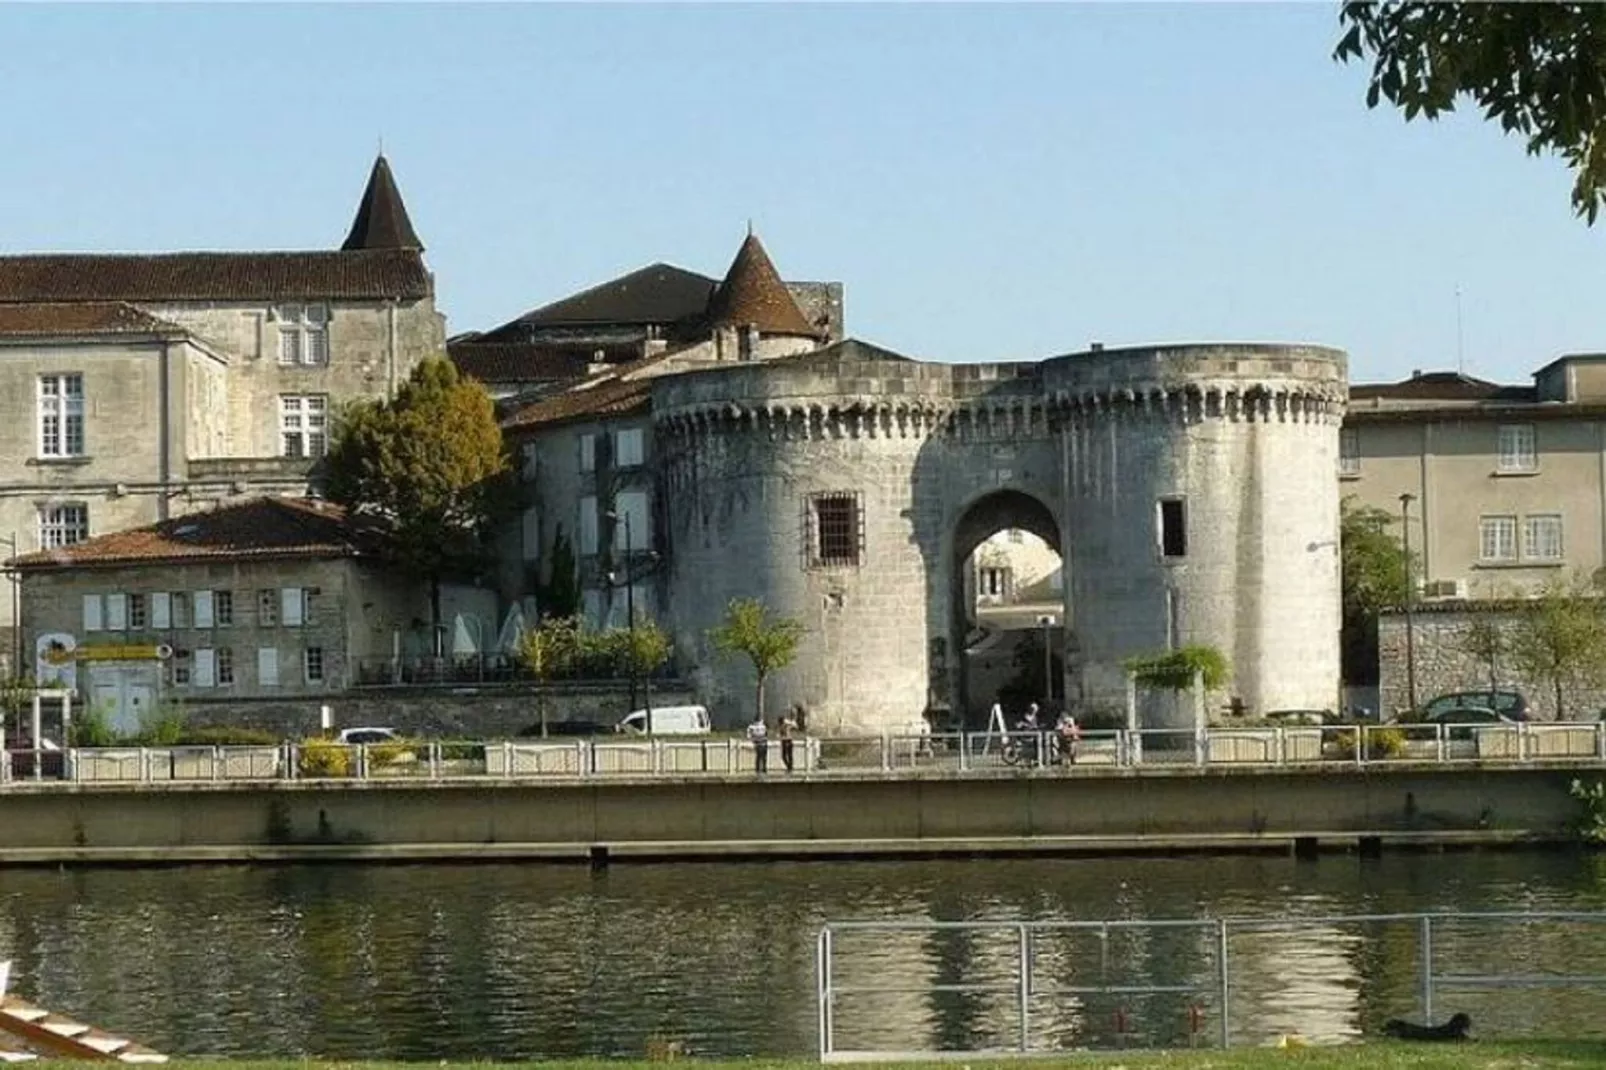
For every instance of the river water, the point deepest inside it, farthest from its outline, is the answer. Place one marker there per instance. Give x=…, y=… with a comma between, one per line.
x=522, y=961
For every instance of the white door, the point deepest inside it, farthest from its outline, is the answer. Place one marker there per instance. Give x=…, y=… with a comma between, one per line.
x=106, y=698
x=136, y=707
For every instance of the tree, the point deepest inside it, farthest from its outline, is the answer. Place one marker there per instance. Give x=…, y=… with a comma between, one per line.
x=424, y=471
x=560, y=594
x=646, y=647
x=1537, y=69
x=1373, y=567
x=769, y=643
x=547, y=652
x=1561, y=638
x=1487, y=642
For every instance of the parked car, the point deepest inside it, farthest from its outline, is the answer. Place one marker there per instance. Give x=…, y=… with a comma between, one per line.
x=668, y=721
x=356, y=736
x=1467, y=714
x=1298, y=717
x=1510, y=705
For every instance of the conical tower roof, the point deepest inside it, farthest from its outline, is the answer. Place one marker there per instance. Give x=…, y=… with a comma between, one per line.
x=753, y=294
x=382, y=221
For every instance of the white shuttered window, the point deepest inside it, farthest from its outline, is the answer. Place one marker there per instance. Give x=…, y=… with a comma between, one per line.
x=161, y=611
x=290, y=607
x=205, y=668
x=267, y=666
x=116, y=612
x=92, y=616
x=203, y=609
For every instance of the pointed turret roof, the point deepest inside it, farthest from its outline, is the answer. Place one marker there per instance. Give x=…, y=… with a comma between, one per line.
x=753, y=294
x=382, y=221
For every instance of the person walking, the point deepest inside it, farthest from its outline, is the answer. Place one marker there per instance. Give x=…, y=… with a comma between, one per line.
x=758, y=734
x=787, y=729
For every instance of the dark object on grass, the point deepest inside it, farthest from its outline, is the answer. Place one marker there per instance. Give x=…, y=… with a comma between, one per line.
x=1455, y=1029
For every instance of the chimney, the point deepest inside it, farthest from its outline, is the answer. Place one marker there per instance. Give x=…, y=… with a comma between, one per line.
x=1096, y=347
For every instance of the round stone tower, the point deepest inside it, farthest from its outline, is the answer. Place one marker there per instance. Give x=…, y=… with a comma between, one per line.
x=1191, y=491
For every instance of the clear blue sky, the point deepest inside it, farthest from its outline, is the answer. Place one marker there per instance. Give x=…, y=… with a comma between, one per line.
x=990, y=182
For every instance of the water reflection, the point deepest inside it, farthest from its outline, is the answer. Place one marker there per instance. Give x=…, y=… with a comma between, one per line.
x=514, y=961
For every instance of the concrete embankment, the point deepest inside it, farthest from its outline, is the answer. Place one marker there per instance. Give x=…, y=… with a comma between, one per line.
x=597, y=821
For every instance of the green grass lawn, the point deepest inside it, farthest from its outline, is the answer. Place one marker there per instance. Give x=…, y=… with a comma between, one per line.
x=1507, y=1055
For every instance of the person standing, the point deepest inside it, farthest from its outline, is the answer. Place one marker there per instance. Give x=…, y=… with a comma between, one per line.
x=758, y=734
x=787, y=729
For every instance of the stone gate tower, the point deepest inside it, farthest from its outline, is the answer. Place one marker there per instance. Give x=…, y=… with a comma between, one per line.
x=1189, y=490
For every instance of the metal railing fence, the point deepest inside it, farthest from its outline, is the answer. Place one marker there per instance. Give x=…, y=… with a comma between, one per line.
x=1580, y=744
x=1212, y=935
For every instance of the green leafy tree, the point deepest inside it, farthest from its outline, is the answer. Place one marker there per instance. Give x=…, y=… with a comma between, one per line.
x=1487, y=642
x=647, y=648
x=1538, y=69
x=1561, y=638
x=770, y=643
x=548, y=651
x=425, y=471
x=1374, y=575
x=1175, y=670
x=560, y=594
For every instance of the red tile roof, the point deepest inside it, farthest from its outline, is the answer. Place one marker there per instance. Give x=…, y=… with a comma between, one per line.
x=309, y=276
x=753, y=294
x=613, y=398
x=89, y=317
x=259, y=528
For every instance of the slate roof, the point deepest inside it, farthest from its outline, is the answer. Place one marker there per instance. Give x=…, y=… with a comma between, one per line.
x=91, y=317
x=752, y=293
x=259, y=528
x=382, y=221
x=656, y=294
x=272, y=276
x=1442, y=386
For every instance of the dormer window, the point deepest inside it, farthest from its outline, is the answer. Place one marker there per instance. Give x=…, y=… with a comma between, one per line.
x=303, y=334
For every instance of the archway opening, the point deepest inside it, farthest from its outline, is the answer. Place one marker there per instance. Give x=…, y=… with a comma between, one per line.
x=1007, y=590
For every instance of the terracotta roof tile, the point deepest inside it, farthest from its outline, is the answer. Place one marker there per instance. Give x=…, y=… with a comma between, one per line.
x=90, y=317
x=753, y=294
x=613, y=398
x=382, y=221
x=367, y=273
x=259, y=528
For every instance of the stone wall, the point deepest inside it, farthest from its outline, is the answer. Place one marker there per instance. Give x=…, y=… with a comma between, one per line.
x=1444, y=663
x=457, y=713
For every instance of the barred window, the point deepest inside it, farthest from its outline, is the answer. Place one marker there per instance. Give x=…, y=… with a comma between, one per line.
x=837, y=531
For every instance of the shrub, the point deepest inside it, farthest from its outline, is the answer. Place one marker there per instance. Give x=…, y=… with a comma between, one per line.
x=91, y=728
x=1174, y=670
x=321, y=758
x=226, y=736
x=1381, y=743
x=161, y=727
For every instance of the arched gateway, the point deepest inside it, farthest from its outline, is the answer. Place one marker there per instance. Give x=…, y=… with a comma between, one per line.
x=1185, y=488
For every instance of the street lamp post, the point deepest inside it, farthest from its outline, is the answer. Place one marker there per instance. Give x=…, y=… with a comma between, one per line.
x=1047, y=621
x=1410, y=599
x=630, y=618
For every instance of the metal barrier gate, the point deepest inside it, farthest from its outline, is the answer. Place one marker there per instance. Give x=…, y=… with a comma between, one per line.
x=1212, y=996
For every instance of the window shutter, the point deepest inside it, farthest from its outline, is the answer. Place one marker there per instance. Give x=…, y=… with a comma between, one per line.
x=161, y=611
x=317, y=351
x=633, y=503
x=116, y=612
x=92, y=619
x=289, y=345
x=532, y=534
x=268, y=666
x=205, y=674
x=203, y=609
x=588, y=453
x=627, y=448
x=290, y=607
x=588, y=525
x=593, y=608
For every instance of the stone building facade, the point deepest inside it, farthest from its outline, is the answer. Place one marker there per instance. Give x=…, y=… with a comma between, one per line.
x=268, y=599
x=134, y=388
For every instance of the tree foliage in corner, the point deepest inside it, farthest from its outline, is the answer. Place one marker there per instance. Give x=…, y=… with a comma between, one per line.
x=426, y=471
x=559, y=596
x=1374, y=575
x=1174, y=670
x=1561, y=638
x=1539, y=69
x=770, y=643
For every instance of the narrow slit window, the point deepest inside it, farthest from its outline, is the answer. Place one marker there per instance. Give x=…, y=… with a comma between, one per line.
x=1173, y=528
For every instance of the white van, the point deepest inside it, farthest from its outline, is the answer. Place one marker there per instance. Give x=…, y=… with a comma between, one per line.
x=668, y=721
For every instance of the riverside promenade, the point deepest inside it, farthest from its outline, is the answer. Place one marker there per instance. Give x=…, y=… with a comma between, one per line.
x=896, y=798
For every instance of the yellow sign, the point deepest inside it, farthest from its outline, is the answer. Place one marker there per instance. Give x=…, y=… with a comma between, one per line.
x=118, y=653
